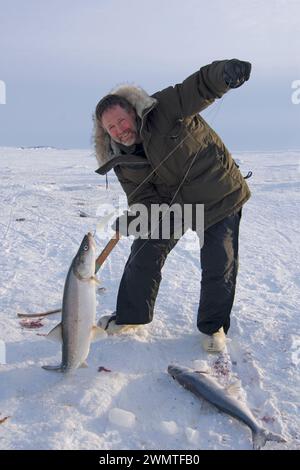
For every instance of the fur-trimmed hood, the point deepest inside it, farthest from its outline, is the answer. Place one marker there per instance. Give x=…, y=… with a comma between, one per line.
x=105, y=148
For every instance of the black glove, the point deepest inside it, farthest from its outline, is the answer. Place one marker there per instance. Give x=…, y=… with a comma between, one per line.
x=122, y=222
x=236, y=72
x=122, y=225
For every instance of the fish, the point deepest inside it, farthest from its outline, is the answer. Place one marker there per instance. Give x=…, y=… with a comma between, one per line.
x=78, y=326
x=205, y=386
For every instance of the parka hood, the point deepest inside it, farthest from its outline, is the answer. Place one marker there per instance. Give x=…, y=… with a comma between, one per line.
x=105, y=147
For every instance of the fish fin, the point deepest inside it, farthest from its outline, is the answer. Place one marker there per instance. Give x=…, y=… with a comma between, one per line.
x=58, y=368
x=98, y=333
x=234, y=388
x=84, y=365
x=56, y=333
x=261, y=436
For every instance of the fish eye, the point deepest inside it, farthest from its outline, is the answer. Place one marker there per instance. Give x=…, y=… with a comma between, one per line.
x=85, y=247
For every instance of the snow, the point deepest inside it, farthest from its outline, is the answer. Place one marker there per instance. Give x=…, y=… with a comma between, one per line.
x=121, y=417
x=134, y=403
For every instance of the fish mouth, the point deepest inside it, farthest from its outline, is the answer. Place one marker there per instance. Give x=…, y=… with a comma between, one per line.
x=174, y=370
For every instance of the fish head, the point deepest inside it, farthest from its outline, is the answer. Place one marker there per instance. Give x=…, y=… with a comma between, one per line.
x=175, y=370
x=85, y=259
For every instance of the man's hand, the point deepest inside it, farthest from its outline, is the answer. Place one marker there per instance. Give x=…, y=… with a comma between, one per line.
x=122, y=222
x=236, y=72
x=123, y=225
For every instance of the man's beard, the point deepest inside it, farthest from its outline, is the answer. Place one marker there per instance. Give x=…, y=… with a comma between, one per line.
x=135, y=137
x=130, y=140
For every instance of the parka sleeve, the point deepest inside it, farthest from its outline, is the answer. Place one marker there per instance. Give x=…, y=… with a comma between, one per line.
x=195, y=93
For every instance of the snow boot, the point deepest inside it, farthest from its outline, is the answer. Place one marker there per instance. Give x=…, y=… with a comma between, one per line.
x=214, y=343
x=108, y=323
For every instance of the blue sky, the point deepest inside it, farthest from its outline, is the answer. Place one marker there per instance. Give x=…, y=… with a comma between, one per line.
x=59, y=58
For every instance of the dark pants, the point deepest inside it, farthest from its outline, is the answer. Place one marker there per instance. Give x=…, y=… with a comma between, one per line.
x=219, y=262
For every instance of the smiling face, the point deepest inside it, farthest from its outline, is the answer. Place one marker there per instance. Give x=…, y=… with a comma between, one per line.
x=121, y=125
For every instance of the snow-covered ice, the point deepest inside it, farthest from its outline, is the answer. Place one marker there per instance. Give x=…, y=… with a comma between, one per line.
x=170, y=427
x=43, y=196
x=122, y=418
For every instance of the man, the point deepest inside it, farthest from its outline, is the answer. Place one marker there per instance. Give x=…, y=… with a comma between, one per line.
x=163, y=151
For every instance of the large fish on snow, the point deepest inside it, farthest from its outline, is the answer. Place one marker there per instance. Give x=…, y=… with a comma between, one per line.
x=78, y=326
x=205, y=386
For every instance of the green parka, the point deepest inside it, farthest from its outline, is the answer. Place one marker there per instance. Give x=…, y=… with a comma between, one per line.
x=182, y=150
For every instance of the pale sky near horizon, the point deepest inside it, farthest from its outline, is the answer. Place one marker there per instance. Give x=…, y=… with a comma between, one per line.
x=58, y=58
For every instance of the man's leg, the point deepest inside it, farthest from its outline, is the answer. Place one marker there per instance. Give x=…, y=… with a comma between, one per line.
x=219, y=263
x=141, y=279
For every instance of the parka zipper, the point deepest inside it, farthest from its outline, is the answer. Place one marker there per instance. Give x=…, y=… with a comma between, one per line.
x=142, y=125
x=143, y=117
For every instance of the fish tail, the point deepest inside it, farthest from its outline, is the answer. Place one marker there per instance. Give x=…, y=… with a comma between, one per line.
x=261, y=436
